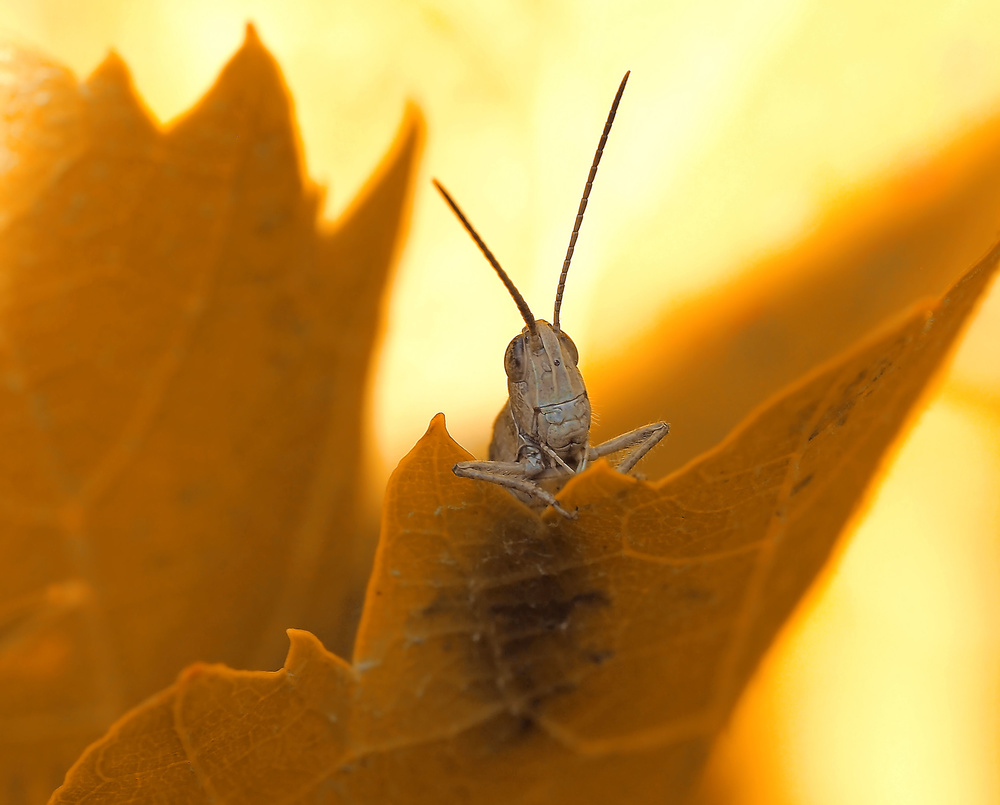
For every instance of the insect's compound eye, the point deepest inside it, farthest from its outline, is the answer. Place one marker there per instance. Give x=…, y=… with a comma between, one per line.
x=513, y=359
x=569, y=348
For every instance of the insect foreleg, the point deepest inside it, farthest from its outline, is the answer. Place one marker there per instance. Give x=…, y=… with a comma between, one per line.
x=510, y=474
x=642, y=439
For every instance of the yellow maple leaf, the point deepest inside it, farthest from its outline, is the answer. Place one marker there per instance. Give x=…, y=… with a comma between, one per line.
x=183, y=351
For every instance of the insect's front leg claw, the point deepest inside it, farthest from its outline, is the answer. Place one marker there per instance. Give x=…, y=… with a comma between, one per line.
x=569, y=515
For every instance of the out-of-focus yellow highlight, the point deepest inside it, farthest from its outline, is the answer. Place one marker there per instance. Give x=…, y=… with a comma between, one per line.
x=742, y=126
x=886, y=688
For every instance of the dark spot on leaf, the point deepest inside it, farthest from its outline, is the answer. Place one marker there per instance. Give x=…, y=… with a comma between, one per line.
x=802, y=484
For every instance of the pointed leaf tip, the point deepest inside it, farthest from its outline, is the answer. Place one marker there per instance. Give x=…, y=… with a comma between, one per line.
x=113, y=66
x=112, y=91
x=305, y=649
x=436, y=436
x=251, y=54
x=413, y=119
x=248, y=102
x=437, y=425
x=250, y=36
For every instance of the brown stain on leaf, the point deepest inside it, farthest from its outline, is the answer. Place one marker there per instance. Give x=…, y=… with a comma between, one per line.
x=505, y=657
x=183, y=357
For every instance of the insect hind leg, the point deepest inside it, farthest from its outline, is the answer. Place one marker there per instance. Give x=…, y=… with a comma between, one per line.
x=641, y=439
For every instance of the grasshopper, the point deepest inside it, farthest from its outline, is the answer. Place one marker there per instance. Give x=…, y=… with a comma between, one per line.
x=542, y=435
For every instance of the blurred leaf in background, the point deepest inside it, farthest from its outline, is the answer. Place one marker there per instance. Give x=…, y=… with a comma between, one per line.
x=184, y=353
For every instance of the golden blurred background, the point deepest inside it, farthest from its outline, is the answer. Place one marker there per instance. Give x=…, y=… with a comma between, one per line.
x=744, y=125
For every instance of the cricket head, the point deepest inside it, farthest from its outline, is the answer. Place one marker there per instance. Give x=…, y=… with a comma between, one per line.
x=548, y=398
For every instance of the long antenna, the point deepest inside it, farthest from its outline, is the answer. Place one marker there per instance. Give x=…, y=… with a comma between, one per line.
x=583, y=201
x=511, y=288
